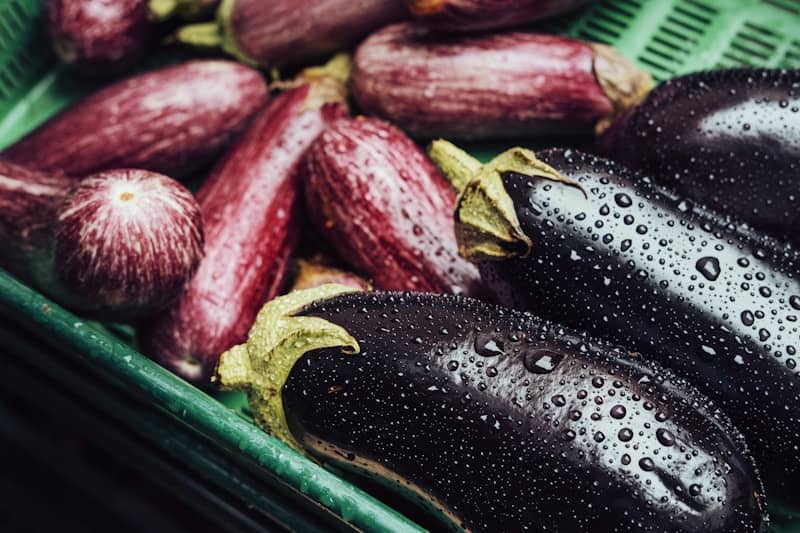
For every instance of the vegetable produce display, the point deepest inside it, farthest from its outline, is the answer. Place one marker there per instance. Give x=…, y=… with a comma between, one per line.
x=101, y=36
x=729, y=139
x=546, y=227
x=480, y=15
x=482, y=414
x=171, y=120
x=281, y=33
x=120, y=245
x=554, y=340
x=380, y=202
x=250, y=205
x=501, y=85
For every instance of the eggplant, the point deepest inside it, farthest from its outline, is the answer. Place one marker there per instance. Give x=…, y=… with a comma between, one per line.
x=251, y=205
x=570, y=236
x=481, y=15
x=100, y=37
x=377, y=199
x=500, y=85
x=172, y=120
x=492, y=419
x=118, y=245
x=286, y=33
x=728, y=139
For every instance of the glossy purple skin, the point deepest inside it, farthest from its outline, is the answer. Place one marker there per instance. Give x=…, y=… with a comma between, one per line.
x=727, y=139
x=479, y=87
x=119, y=245
x=376, y=197
x=279, y=33
x=100, y=37
x=251, y=206
x=480, y=15
x=172, y=120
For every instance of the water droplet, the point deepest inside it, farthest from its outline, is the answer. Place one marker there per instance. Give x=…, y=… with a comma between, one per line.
x=582, y=394
x=765, y=292
x=618, y=412
x=575, y=415
x=747, y=318
x=605, y=210
x=417, y=230
x=599, y=437
x=628, y=219
x=626, y=459
x=625, y=434
x=665, y=437
x=794, y=301
x=624, y=245
x=541, y=361
x=647, y=464
x=487, y=345
x=559, y=400
x=452, y=366
x=694, y=489
x=491, y=371
x=743, y=262
x=597, y=381
x=641, y=229
x=622, y=199
x=661, y=416
x=595, y=416
x=569, y=435
x=708, y=267
x=763, y=334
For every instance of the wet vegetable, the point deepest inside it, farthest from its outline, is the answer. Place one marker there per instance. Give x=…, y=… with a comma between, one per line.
x=377, y=199
x=251, y=206
x=119, y=245
x=570, y=237
x=491, y=418
x=99, y=37
x=479, y=15
x=493, y=85
x=281, y=33
x=172, y=120
x=727, y=139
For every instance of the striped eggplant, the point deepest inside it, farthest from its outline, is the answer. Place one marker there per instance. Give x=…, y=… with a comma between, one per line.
x=501, y=85
x=251, y=205
x=171, y=120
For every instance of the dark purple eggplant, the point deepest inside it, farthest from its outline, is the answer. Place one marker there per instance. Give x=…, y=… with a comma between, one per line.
x=493, y=419
x=99, y=37
x=579, y=240
x=283, y=33
x=251, y=204
x=726, y=139
x=119, y=245
x=481, y=15
x=172, y=120
x=501, y=85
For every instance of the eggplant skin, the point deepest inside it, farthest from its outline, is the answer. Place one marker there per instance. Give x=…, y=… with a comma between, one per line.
x=282, y=33
x=486, y=86
x=99, y=37
x=728, y=139
x=172, y=120
x=479, y=15
x=622, y=262
x=507, y=423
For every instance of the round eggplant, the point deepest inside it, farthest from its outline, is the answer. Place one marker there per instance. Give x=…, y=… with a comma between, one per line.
x=569, y=236
x=727, y=139
x=492, y=418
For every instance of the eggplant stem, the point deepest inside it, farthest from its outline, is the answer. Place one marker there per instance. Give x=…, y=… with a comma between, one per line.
x=457, y=165
x=204, y=35
x=625, y=84
x=161, y=10
x=276, y=341
x=487, y=227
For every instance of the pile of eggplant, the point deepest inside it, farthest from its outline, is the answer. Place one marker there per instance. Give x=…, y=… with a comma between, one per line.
x=601, y=338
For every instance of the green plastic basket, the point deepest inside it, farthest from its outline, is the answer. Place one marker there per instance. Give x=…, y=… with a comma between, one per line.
x=207, y=447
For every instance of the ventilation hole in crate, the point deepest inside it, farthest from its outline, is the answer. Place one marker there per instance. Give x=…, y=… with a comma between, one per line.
x=608, y=20
x=792, y=57
x=677, y=37
x=753, y=45
x=791, y=6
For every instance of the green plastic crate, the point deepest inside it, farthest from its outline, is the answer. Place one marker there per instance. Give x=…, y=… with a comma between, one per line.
x=208, y=446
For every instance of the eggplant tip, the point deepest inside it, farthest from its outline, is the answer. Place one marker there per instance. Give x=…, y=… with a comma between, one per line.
x=625, y=84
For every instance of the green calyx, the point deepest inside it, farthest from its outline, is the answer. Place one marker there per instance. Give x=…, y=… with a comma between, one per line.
x=486, y=223
x=162, y=10
x=276, y=341
x=217, y=34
